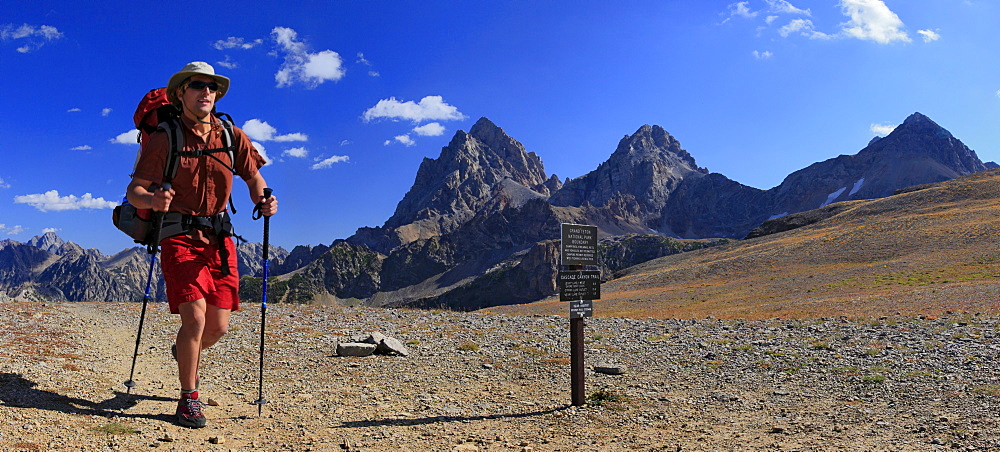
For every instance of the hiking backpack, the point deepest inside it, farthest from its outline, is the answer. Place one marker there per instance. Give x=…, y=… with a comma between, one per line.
x=155, y=112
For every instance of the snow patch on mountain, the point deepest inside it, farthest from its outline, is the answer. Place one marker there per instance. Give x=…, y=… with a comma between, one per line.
x=857, y=186
x=833, y=196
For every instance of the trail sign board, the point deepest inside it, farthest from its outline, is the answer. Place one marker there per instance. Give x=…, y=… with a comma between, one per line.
x=579, y=285
x=579, y=244
x=579, y=309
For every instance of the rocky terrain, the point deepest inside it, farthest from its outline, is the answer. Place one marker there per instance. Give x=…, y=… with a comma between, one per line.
x=489, y=382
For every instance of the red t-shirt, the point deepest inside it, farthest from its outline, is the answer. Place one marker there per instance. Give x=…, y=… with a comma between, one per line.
x=202, y=184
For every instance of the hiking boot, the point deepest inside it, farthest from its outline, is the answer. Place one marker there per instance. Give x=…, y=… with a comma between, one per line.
x=189, y=413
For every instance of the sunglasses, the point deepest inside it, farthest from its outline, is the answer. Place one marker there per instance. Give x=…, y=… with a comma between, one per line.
x=198, y=86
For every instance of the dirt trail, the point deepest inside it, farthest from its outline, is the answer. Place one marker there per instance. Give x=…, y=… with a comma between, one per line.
x=481, y=382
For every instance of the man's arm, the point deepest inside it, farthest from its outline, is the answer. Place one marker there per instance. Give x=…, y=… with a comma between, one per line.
x=256, y=185
x=140, y=196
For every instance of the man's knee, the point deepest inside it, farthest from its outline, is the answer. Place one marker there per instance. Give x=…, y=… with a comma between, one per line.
x=216, y=331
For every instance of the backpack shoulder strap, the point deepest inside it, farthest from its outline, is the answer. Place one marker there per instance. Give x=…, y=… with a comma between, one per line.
x=175, y=139
x=229, y=143
x=228, y=138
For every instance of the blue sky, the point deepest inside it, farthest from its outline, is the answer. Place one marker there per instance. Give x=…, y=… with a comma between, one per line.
x=347, y=97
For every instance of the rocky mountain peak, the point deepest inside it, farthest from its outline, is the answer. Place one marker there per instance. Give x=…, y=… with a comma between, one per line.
x=490, y=134
x=48, y=242
x=453, y=188
x=919, y=119
x=646, y=166
x=652, y=142
x=920, y=137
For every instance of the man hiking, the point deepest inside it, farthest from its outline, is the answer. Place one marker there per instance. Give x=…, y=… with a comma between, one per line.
x=198, y=254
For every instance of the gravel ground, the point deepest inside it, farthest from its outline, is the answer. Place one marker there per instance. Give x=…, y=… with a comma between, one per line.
x=484, y=382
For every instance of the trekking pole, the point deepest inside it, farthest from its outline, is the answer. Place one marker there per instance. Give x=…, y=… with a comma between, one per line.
x=151, y=249
x=263, y=308
x=142, y=317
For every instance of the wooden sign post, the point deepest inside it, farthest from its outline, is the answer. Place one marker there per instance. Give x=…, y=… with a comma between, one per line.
x=579, y=288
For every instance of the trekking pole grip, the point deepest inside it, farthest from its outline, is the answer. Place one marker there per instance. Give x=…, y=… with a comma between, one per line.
x=267, y=222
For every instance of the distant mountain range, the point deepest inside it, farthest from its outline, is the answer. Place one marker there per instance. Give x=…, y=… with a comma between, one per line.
x=480, y=225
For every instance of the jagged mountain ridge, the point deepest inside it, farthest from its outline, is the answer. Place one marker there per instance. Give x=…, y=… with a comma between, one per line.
x=919, y=151
x=48, y=268
x=482, y=218
x=649, y=184
x=450, y=190
x=647, y=166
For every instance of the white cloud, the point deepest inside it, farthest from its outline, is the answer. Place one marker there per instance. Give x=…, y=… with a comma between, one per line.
x=872, y=20
x=228, y=63
x=405, y=139
x=882, y=129
x=762, y=55
x=998, y=93
x=430, y=108
x=929, y=35
x=6, y=185
x=33, y=37
x=234, y=42
x=782, y=6
x=311, y=69
x=105, y=112
x=81, y=148
x=432, y=129
x=323, y=164
x=129, y=137
x=263, y=153
x=361, y=59
x=12, y=230
x=73, y=110
x=51, y=201
x=741, y=9
x=262, y=131
x=295, y=152
x=804, y=27
x=795, y=26
x=47, y=230
x=345, y=142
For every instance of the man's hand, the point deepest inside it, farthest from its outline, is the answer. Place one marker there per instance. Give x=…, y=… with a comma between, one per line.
x=268, y=206
x=162, y=198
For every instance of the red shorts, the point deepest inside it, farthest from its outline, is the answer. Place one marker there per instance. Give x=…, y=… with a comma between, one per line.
x=192, y=270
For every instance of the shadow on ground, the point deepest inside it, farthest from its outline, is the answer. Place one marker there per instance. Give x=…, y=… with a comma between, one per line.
x=19, y=392
x=395, y=422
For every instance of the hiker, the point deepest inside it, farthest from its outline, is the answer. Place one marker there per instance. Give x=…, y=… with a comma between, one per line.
x=198, y=256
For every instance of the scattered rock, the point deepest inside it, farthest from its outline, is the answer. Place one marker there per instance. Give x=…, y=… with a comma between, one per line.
x=769, y=387
x=610, y=369
x=392, y=346
x=355, y=349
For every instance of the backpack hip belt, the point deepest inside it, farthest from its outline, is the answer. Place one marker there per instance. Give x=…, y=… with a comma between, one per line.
x=220, y=225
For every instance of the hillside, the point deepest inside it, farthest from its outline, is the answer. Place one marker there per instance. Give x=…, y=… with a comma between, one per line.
x=927, y=250
x=479, y=227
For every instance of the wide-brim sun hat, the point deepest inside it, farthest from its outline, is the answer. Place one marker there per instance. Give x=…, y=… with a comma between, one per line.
x=191, y=69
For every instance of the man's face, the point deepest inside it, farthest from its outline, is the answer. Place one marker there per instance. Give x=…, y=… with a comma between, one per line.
x=199, y=99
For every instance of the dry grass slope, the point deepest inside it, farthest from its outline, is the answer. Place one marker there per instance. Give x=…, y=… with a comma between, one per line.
x=926, y=251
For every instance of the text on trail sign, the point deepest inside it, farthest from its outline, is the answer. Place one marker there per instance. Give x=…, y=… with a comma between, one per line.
x=579, y=244
x=579, y=285
x=581, y=308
